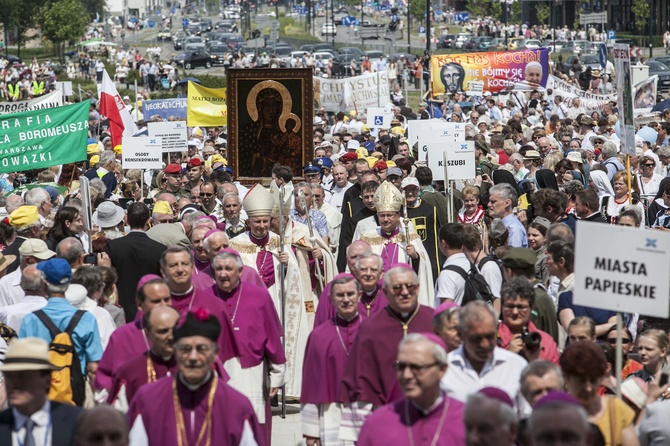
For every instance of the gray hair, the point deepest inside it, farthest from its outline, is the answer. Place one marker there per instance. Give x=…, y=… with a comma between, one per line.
x=231, y=194
x=315, y=186
x=55, y=288
x=398, y=269
x=439, y=353
x=228, y=256
x=97, y=188
x=342, y=281
x=506, y=192
x=206, y=241
x=191, y=217
x=13, y=203
x=583, y=416
x=506, y=414
x=31, y=279
x=368, y=255
x=663, y=151
x=304, y=184
x=106, y=157
x=474, y=312
x=444, y=316
x=610, y=149
x=37, y=196
x=539, y=368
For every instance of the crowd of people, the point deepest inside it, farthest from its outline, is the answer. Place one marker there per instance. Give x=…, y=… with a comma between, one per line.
x=175, y=306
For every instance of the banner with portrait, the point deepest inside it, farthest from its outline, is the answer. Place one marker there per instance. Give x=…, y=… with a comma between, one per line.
x=590, y=101
x=206, y=106
x=625, y=99
x=353, y=93
x=644, y=95
x=500, y=71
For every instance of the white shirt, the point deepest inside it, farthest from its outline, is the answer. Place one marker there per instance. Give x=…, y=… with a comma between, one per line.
x=13, y=315
x=10, y=289
x=337, y=196
x=450, y=284
x=493, y=276
x=502, y=371
x=42, y=431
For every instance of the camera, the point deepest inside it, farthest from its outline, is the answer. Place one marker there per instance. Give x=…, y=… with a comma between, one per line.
x=531, y=340
x=91, y=259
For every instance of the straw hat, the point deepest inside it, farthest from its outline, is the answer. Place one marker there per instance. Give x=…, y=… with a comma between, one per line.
x=27, y=354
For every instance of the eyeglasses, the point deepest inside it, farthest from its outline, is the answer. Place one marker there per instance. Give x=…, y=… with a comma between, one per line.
x=410, y=287
x=416, y=369
x=185, y=350
x=520, y=308
x=317, y=195
x=613, y=341
x=649, y=165
x=206, y=194
x=597, y=142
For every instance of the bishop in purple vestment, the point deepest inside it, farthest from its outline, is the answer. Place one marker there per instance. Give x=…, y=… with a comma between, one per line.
x=177, y=268
x=257, y=331
x=426, y=415
x=369, y=375
x=194, y=406
x=368, y=269
x=130, y=340
x=149, y=366
x=326, y=355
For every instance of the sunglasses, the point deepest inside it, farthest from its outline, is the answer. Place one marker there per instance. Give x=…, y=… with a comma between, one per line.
x=613, y=341
x=649, y=165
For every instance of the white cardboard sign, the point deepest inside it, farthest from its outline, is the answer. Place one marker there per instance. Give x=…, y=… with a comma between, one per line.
x=445, y=132
x=142, y=153
x=173, y=134
x=459, y=158
x=622, y=269
x=379, y=118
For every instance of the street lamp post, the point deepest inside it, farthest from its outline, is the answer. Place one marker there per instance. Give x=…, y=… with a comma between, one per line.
x=409, y=30
x=651, y=28
x=428, y=33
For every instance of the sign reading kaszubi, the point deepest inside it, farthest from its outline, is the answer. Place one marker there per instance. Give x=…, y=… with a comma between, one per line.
x=43, y=138
x=629, y=276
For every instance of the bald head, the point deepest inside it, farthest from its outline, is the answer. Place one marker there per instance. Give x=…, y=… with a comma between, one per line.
x=165, y=196
x=31, y=280
x=159, y=323
x=356, y=249
x=215, y=243
x=229, y=188
x=101, y=425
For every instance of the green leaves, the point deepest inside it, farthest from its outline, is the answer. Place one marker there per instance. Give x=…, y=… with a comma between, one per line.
x=641, y=13
x=63, y=20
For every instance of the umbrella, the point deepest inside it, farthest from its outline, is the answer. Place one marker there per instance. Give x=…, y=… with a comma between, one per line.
x=661, y=106
x=187, y=79
x=87, y=42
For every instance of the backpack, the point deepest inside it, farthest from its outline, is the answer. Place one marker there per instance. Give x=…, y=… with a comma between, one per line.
x=496, y=260
x=68, y=384
x=476, y=287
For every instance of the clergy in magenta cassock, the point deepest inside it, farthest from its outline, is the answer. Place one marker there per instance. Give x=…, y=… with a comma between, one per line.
x=130, y=339
x=389, y=239
x=367, y=269
x=328, y=349
x=257, y=331
x=195, y=406
x=259, y=249
x=369, y=378
x=425, y=415
x=177, y=268
x=149, y=366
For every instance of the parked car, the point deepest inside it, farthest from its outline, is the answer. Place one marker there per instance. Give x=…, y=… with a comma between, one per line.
x=374, y=54
x=461, y=39
x=408, y=57
x=206, y=25
x=307, y=48
x=497, y=44
x=194, y=43
x=446, y=41
x=329, y=29
x=663, y=73
x=352, y=51
x=587, y=60
x=557, y=47
x=531, y=44
x=484, y=43
x=323, y=47
x=193, y=59
x=665, y=60
x=164, y=34
x=577, y=47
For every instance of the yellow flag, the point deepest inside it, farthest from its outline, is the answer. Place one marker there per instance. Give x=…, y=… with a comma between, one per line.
x=206, y=106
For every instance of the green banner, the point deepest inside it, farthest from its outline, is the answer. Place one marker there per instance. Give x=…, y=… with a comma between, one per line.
x=42, y=138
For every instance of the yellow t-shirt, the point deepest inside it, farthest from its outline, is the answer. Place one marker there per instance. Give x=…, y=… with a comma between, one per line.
x=623, y=417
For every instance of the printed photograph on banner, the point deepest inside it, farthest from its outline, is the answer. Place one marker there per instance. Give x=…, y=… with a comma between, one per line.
x=499, y=71
x=625, y=97
x=590, y=101
x=271, y=118
x=644, y=95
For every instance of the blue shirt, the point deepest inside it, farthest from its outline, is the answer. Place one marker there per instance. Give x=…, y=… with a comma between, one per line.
x=319, y=222
x=599, y=316
x=86, y=337
x=517, y=233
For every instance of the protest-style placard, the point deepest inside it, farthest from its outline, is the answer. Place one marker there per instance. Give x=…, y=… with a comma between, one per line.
x=379, y=118
x=625, y=97
x=206, y=106
x=352, y=93
x=165, y=108
x=173, y=134
x=142, y=153
x=49, y=100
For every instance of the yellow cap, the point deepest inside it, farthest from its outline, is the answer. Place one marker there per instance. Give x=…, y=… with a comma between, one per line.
x=217, y=158
x=23, y=216
x=118, y=149
x=352, y=113
x=390, y=164
x=362, y=152
x=162, y=207
x=92, y=148
x=398, y=131
x=197, y=132
x=371, y=160
x=95, y=159
x=365, y=129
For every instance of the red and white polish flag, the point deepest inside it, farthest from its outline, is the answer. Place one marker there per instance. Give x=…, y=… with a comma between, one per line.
x=112, y=106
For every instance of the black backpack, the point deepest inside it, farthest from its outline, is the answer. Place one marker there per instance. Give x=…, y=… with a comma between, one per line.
x=487, y=259
x=476, y=287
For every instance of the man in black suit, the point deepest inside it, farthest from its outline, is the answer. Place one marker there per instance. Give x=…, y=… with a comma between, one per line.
x=33, y=417
x=134, y=256
x=587, y=206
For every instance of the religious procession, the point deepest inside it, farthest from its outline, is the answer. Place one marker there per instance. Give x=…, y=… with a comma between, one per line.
x=462, y=247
